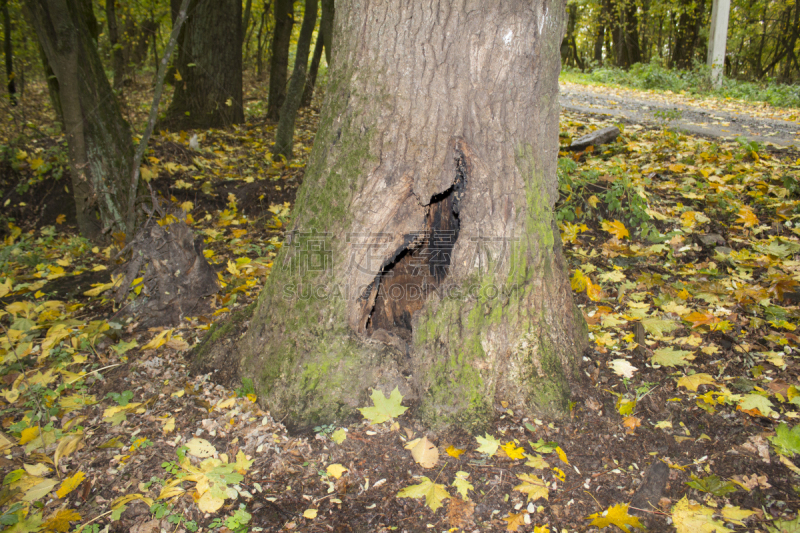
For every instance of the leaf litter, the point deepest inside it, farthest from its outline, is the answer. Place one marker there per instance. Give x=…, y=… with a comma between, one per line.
x=683, y=257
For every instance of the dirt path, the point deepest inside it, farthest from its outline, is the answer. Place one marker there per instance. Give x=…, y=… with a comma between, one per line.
x=707, y=118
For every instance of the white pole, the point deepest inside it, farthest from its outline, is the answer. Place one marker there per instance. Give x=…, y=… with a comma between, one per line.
x=717, y=38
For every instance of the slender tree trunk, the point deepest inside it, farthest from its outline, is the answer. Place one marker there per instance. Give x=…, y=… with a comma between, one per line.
x=424, y=253
x=260, y=44
x=117, y=57
x=326, y=27
x=598, y=42
x=246, y=18
x=279, y=62
x=209, y=92
x=98, y=138
x=284, y=138
x=9, y=53
x=311, y=79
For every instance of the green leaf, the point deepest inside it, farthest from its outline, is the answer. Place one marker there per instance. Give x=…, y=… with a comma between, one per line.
x=121, y=347
x=657, y=327
x=385, y=408
x=540, y=446
x=712, y=484
x=786, y=441
x=756, y=401
x=432, y=492
x=669, y=356
x=488, y=444
x=785, y=526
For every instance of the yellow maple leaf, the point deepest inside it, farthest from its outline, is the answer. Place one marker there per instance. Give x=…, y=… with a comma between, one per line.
x=617, y=515
x=746, y=217
x=541, y=529
x=60, y=520
x=433, y=493
x=70, y=484
x=578, y=281
x=452, y=451
x=336, y=470
x=695, y=380
x=594, y=292
x=513, y=451
x=691, y=517
x=616, y=228
x=514, y=521
x=533, y=486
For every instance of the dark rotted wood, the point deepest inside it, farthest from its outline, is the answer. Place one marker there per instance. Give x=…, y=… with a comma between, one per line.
x=652, y=488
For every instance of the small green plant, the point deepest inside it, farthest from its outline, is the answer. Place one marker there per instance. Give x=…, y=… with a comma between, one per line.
x=140, y=444
x=751, y=149
x=122, y=398
x=159, y=510
x=665, y=116
x=171, y=467
x=325, y=429
x=246, y=388
x=239, y=520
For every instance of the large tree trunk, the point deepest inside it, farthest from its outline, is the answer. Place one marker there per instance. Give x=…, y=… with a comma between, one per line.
x=209, y=92
x=98, y=138
x=284, y=137
x=279, y=62
x=424, y=254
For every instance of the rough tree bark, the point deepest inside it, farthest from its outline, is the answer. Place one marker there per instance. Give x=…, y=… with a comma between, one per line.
x=424, y=254
x=98, y=138
x=279, y=62
x=209, y=63
x=284, y=137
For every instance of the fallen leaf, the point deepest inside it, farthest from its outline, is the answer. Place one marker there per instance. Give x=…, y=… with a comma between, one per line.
x=433, y=493
x=424, y=452
x=200, y=448
x=691, y=517
x=616, y=515
x=694, y=381
x=514, y=521
x=70, y=484
x=533, y=486
x=384, y=408
x=335, y=470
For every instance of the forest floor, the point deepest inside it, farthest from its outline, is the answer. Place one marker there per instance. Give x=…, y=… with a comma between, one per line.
x=708, y=117
x=684, y=258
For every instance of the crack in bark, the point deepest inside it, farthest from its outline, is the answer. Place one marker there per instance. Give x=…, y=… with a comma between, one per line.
x=420, y=266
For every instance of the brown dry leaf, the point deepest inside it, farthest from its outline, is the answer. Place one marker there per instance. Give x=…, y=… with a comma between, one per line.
x=757, y=445
x=459, y=513
x=631, y=423
x=424, y=452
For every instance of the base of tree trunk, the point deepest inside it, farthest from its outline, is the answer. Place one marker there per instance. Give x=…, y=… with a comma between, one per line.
x=424, y=253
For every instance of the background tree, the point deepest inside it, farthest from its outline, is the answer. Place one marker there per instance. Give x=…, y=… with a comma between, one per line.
x=323, y=43
x=117, y=57
x=98, y=138
x=8, y=50
x=279, y=62
x=284, y=138
x=208, y=82
x=434, y=170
